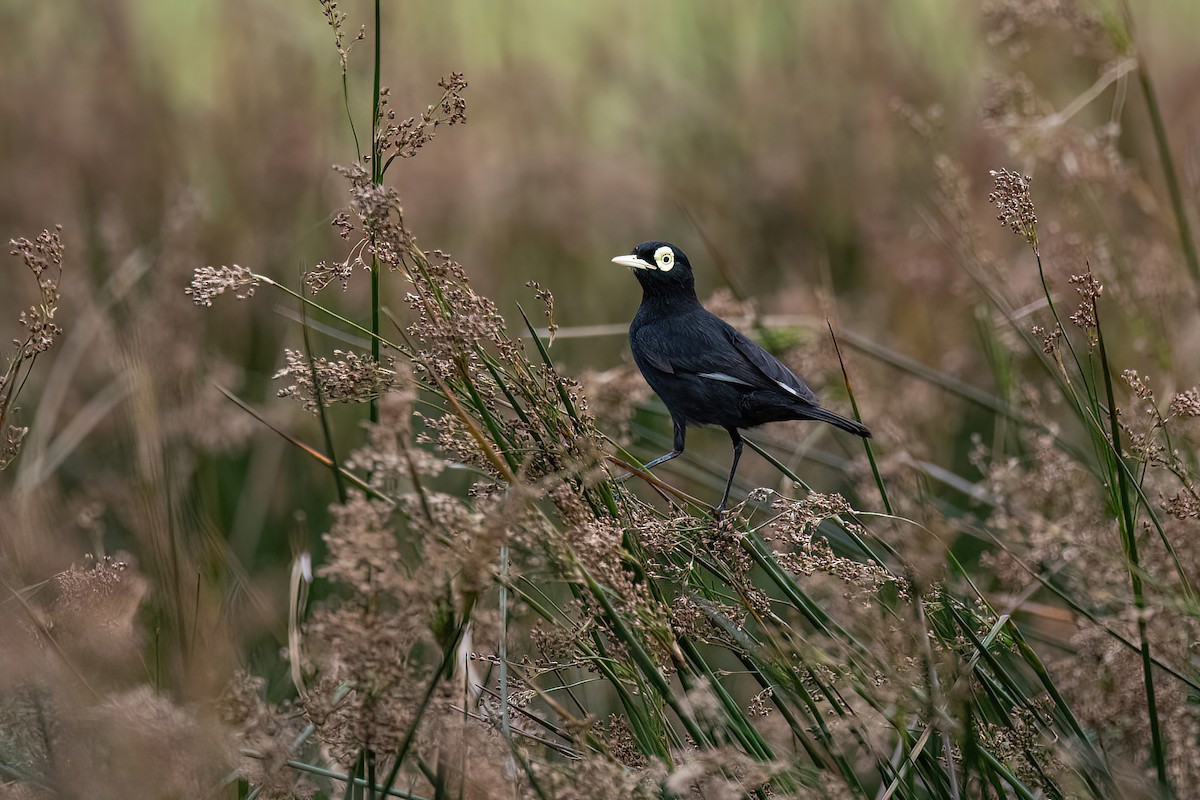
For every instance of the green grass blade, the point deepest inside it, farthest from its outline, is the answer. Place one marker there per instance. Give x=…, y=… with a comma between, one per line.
x=1129, y=541
x=334, y=464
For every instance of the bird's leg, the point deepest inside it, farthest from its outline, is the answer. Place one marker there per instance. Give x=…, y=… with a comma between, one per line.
x=677, y=450
x=680, y=435
x=737, y=455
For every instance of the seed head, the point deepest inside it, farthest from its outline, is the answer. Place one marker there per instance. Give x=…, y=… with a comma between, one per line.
x=404, y=139
x=348, y=378
x=1182, y=505
x=43, y=256
x=548, y=301
x=210, y=282
x=1049, y=338
x=1138, y=384
x=1014, y=205
x=1186, y=404
x=1085, y=315
x=10, y=444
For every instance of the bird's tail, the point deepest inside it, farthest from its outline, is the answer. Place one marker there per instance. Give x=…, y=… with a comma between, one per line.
x=824, y=415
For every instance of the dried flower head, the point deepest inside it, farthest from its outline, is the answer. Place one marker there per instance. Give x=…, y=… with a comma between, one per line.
x=404, y=139
x=809, y=553
x=211, y=282
x=10, y=444
x=43, y=257
x=380, y=219
x=1182, y=505
x=1138, y=384
x=348, y=378
x=1049, y=338
x=266, y=734
x=1013, y=204
x=389, y=457
x=548, y=301
x=758, y=704
x=325, y=273
x=375, y=212
x=1186, y=404
x=335, y=19
x=1085, y=315
x=96, y=610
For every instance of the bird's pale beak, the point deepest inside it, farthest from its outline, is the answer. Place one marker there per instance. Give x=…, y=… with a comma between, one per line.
x=633, y=261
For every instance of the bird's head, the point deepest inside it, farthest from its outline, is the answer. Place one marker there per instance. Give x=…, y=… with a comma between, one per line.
x=661, y=269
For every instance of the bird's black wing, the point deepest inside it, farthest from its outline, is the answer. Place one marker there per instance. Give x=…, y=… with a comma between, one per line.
x=707, y=346
x=770, y=366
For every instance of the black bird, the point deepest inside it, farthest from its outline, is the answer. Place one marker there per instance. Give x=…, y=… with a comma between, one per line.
x=705, y=371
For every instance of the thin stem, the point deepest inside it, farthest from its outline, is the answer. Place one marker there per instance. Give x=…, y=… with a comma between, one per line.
x=376, y=178
x=349, y=115
x=374, y=337
x=883, y=494
x=1168, y=164
x=1129, y=542
x=504, y=716
x=320, y=403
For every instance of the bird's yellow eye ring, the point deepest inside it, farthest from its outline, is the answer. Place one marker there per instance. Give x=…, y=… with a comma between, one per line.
x=664, y=257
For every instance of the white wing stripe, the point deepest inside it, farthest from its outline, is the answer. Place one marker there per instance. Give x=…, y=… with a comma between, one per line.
x=787, y=388
x=721, y=376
